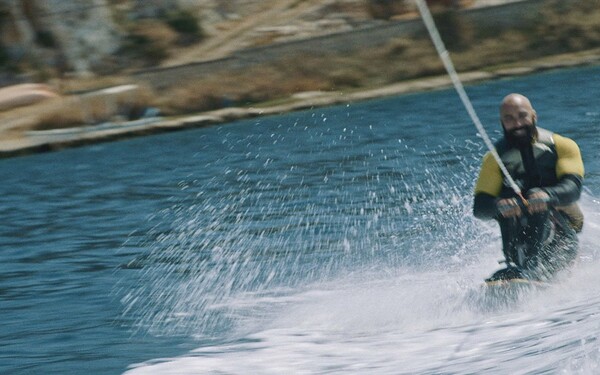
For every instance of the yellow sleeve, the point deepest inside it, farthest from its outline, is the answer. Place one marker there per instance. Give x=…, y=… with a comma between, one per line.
x=569, y=157
x=490, y=177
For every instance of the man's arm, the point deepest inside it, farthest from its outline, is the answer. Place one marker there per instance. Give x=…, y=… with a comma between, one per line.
x=488, y=187
x=484, y=206
x=569, y=170
x=567, y=191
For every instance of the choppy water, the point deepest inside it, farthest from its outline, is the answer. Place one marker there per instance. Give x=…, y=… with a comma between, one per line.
x=336, y=240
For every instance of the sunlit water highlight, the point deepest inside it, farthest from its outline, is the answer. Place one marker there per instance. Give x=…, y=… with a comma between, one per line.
x=337, y=240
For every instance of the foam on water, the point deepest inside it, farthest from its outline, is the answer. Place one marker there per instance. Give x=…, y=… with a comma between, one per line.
x=402, y=321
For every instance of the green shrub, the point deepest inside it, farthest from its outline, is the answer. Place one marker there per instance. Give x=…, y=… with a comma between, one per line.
x=149, y=41
x=45, y=39
x=458, y=34
x=386, y=9
x=186, y=24
x=4, y=59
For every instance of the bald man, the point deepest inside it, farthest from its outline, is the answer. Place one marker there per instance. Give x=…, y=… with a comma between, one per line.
x=538, y=234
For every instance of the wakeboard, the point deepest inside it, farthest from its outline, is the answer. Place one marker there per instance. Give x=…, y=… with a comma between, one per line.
x=507, y=293
x=516, y=282
x=504, y=294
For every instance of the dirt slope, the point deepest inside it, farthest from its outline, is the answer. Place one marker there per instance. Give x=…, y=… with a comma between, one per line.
x=236, y=34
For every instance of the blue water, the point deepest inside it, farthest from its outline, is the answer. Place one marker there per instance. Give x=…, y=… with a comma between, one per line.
x=333, y=240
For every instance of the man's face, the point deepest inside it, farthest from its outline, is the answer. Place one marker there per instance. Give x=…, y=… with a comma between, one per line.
x=518, y=120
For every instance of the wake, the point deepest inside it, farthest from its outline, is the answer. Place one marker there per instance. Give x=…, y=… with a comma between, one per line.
x=401, y=321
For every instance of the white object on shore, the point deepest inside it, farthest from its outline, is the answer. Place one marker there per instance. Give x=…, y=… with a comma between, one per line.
x=109, y=125
x=24, y=94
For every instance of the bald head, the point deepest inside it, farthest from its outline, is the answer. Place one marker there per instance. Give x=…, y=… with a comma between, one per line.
x=516, y=100
x=518, y=119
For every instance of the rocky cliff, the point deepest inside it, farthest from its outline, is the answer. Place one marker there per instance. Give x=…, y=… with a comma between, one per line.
x=66, y=35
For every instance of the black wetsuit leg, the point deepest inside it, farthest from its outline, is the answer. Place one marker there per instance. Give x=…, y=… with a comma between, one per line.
x=558, y=252
x=538, y=245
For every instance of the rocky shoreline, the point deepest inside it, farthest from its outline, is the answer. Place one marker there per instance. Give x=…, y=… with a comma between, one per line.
x=52, y=140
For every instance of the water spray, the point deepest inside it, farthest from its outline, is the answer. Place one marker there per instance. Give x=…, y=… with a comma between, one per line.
x=445, y=57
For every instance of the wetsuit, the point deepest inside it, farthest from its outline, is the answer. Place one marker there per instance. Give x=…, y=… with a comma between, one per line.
x=535, y=245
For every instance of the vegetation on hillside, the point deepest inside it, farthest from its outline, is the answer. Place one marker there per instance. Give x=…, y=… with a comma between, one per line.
x=150, y=41
x=558, y=30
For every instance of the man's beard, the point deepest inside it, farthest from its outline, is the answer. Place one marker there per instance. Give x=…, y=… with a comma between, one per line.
x=521, y=140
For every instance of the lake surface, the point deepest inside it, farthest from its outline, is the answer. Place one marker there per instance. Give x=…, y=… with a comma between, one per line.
x=331, y=241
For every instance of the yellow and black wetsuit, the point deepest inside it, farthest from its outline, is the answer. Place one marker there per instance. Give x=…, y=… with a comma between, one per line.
x=558, y=170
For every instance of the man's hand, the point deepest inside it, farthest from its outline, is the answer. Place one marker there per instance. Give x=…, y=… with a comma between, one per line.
x=537, y=201
x=508, y=208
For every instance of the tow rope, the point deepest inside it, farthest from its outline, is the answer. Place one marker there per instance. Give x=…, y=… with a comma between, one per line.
x=458, y=86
